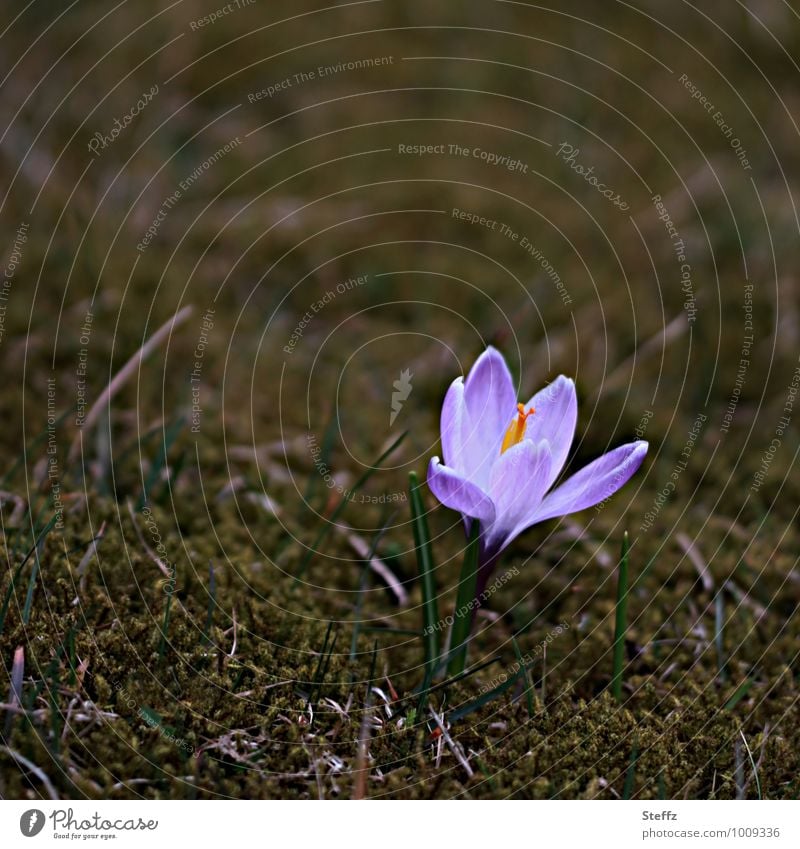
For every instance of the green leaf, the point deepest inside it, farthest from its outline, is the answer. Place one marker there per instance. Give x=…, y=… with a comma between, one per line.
x=630, y=773
x=422, y=544
x=485, y=698
x=621, y=620
x=528, y=682
x=741, y=691
x=465, y=599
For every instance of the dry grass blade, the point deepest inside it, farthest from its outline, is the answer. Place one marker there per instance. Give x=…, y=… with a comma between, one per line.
x=124, y=374
x=362, y=758
x=698, y=562
x=362, y=549
x=454, y=747
x=15, y=690
x=31, y=767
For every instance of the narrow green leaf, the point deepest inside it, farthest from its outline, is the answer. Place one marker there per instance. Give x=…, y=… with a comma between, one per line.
x=719, y=624
x=205, y=637
x=170, y=435
x=528, y=682
x=331, y=520
x=422, y=545
x=323, y=654
x=465, y=599
x=26, y=612
x=461, y=712
x=323, y=462
x=621, y=620
x=630, y=773
x=170, y=588
x=13, y=583
x=740, y=692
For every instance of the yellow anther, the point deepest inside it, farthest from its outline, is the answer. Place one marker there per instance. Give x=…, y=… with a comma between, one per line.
x=516, y=430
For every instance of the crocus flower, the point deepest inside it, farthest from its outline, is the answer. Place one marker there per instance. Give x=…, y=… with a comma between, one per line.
x=500, y=458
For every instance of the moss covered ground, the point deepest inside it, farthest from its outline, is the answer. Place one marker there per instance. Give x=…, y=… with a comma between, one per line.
x=180, y=619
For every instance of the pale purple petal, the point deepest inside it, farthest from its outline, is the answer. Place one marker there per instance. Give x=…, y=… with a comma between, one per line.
x=457, y=493
x=554, y=420
x=453, y=422
x=594, y=483
x=519, y=481
x=491, y=403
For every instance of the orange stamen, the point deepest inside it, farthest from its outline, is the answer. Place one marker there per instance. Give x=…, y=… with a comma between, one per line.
x=516, y=430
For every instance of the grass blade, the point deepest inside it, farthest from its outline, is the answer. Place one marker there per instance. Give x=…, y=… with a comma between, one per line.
x=169, y=589
x=621, y=620
x=205, y=637
x=12, y=585
x=15, y=692
x=719, y=624
x=630, y=772
x=362, y=586
x=461, y=712
x=462, y=618
x=753, y=764
x=528, y=682
x=160, y=462
x=739, y=694
x=124, y=374
x=327, y=527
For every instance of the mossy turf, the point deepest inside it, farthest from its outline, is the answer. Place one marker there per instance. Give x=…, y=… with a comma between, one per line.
x=172, y=638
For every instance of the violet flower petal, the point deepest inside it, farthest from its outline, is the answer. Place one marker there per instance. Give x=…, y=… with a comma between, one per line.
x=491, y=402
x=519, y=480
x=593, y=483
x=453, y=422
x=554, y=420
x=457, y=493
